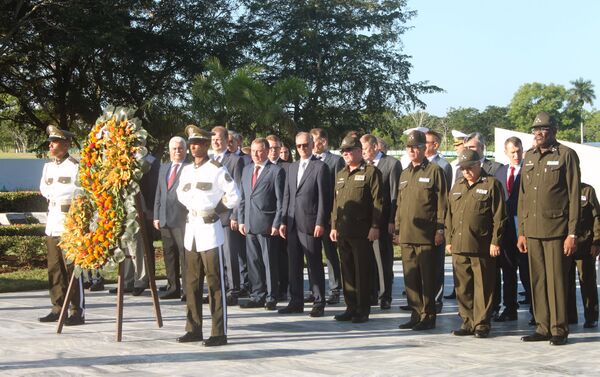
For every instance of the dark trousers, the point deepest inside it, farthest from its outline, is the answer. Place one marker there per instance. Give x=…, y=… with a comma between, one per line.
x=242, y=260
x=59, y=276
x=263, y=267
x=280, y=247
x=585, y=265
x=231, y=257
x=384, y=265
x=197, y=266
x=300, y=245
x=474, y=281
x=419, y=266
x=174, y=254
x=333, y=262
x=440, y=255
x=523, y=260
x=356, y=256
x=505, y=290
x=549, y=271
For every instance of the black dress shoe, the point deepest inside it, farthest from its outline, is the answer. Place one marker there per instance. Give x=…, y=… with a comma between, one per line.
x=309, y=298
x=345, y=316
x=535, y=337
x=271, y=305
x=171, y=295
x=231, y=300
x=451, y=296
x=75, y=320
x=183, y=298
x=385, y=304
x=113, y=291
x=408, y=325
x=291, y=309
x=558, y=340
x=481, y=333
x=137, y=291
x=405, y=308
x=360, y=318
x=317, y=311
x=374, y=301
x=426, y=324
x=205, y=300
x=532, y=322
x=215, y=341
x=250, y=304
x=590, y=324
x=189, y=337
x=462, y=332
x=333, y=299
x=97, y=286
x=51, y=317
x=506, y=316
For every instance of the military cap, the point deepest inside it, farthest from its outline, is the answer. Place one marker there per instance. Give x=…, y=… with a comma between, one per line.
x=543, y=119
x=55, y=133
x=409, y=130
x=468, y=157
x=459, y=137
x=415, y=139
x=350, y=142
x=196, y=134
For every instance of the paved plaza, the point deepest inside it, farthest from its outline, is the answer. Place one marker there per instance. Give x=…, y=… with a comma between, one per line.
x=264, y=343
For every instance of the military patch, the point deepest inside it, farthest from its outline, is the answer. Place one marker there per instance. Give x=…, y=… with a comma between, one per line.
x=583, y=198
x=359, y=177
x=187, y=187
x=228, y=177
x=552, y=163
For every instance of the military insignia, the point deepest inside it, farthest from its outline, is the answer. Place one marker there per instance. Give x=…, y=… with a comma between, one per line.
x=187, y=187
x=583, y=198
x=64, y=180
x=49, y=181
x=228, y=177
x=482, y=191
x=204, y=186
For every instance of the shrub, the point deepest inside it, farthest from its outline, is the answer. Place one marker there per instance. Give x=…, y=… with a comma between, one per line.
x=24, y=248
x=23, y=201
x=22, y=230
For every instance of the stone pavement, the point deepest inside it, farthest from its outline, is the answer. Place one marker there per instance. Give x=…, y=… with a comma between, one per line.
x=265, y=343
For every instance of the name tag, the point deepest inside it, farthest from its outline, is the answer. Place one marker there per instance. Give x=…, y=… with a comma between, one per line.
x=552, y=163
x=359, y=177
x=583, y=198
x=424, y=180
x=481, y=191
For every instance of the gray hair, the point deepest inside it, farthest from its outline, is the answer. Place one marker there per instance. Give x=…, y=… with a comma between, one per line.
x=477, y=136
x=177, y=140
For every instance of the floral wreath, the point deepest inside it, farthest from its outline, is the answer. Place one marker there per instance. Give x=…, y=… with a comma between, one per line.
x=102, y=217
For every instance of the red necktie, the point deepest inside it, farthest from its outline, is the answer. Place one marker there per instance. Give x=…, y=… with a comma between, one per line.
x=172, y=176
x=255, y=175
x=511, y=180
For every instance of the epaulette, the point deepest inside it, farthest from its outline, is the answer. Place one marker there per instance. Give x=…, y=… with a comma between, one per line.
x=216, y=163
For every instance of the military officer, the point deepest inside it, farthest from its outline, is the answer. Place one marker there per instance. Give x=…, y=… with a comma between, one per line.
x=58, y=186
x=548, y=212
x=584, y=259
x=421, y=206
x=355, y=220
x=474, y=225
x=206, y=189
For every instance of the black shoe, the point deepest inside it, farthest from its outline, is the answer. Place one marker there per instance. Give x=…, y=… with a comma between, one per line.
x=250, y=304
x=506, y=316
x=243, y=293
x=522, y=293
x=271, y=305
x=451, y=296
x=282, y=297
x=171, y=295
x=309, y=298
x=535, y=337
x=291, y=310
x=51, y=317
x=590, y=324
x=360, y=318
x=183, y=298
x=189, y=337
x=87, y=284
x=403, y=293
x=558, y=340
x=164, y=288
x=137, y=291
x=231, y=300
x=438, y=307
x=345, y=316
x=113, y=291
x=317, y=311
x=385, y=304
x=97, y=286
x=205, y=300
x=215, y=341
x=480, y=333
x=75, y=320
x=426, y=324
x=408, y=325
x=532, y=322
x=374, y=301
x=333, y=299
x=462, y=332
x=524, y=302
x=405, y=308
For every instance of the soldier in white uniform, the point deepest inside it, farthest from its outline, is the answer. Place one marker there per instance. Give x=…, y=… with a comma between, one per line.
x=58, y=186
x=206, y=189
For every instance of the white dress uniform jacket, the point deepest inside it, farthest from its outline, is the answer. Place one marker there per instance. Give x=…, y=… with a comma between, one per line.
x=58, y=186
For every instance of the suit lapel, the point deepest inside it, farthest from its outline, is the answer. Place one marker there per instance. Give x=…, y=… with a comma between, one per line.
x=307, y=171
x=262, y=174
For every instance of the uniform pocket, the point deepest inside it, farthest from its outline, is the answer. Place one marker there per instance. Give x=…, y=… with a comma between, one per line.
x=204, y=186
x=553, y=213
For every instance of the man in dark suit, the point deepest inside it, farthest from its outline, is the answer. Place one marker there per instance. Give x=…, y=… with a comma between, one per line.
x=260, y=218
x=476, y=142
x=233, y=239
x=510, y=259
x=306, y=210
x=335, y=164
x=169, y=217
x=383, y=247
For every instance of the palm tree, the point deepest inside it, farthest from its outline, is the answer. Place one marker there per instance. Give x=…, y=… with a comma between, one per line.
x=581, y=93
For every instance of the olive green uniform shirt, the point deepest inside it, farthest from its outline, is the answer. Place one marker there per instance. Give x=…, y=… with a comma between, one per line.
x=421, y=203
x=358, y=201
x=549, y=198
x=589, y=223
x=476, y=215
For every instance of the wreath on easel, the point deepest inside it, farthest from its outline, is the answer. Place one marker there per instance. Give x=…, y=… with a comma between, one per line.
x=102, y=217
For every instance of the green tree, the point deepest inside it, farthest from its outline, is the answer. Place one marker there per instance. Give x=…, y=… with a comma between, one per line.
x=580, y=94
x=532, y=98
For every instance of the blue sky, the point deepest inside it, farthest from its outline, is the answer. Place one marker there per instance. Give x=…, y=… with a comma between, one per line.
x=481, y=52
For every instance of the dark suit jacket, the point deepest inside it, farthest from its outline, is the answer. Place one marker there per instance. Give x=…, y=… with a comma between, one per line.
x=261, y=207
x=167, y=209
x=307, y=204
x=335, y=163
x=234, y=165
x=390, y=169
x=445, y=165
x=148, y=185
x=510, y=232
x=490, y=167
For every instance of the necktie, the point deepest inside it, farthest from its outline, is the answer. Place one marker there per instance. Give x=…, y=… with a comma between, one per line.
x=218, y=158
x=511, y=180
x=319, y=157
x=255, y=175
x=301, y=172
x=171, y=179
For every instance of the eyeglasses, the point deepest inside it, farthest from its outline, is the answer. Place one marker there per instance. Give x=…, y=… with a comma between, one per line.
x=300, y=146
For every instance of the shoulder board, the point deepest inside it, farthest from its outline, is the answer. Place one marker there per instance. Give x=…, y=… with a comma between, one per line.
x=216, y=163
x=73, y=160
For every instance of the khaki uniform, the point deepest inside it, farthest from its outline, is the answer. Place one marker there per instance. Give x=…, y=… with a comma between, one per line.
x=357, y=207
x=421, y=207
x=549, y=207
x=475, y=219
x=583, y=261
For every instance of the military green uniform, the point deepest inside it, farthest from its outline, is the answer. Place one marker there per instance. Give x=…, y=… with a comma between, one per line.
x=357, y=207
x=549, y=207
x=475, y=219
x=583, y=261
x=421, y=204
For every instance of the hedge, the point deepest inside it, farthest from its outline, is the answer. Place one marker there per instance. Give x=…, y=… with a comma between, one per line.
x=22, y=201
x=24, y=248
x=22, y=230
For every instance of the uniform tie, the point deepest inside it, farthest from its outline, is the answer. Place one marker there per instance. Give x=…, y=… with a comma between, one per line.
x=301, y=171
x=172, y=176
x=255, y=175
x=511, y=180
